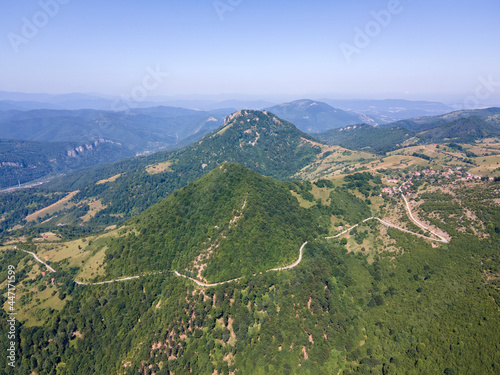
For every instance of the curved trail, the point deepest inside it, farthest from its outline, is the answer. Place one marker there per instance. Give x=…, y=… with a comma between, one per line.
x=295, y=264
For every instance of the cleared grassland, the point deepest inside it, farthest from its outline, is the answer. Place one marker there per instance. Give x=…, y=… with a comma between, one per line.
x=159, y=168
x=53, y=208
x=302, y=201
x=94, y=207
x=93, y=266
x=487, y=166
x=111, y=179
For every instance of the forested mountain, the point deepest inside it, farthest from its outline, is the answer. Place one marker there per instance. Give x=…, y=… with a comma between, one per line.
x=258, y=140
x=462, y=127
x=462, y=130
x=378, y=300
x=313, y=116
x=230, y=223
x=111, y=136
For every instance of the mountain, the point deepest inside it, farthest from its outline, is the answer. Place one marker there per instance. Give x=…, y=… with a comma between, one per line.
x=366, y=137
x=230, y=223
x=257, y=140
x=313, y=116
x=459, y=126
x=390, y=110
x=8, y=105
x=490, y=115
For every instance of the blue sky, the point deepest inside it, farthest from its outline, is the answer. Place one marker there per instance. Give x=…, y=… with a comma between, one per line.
x=436, y=50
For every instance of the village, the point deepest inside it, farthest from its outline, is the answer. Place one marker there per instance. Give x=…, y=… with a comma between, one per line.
x=458, y=173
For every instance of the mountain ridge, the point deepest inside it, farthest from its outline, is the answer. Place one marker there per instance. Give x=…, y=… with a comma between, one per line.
x=313, y=116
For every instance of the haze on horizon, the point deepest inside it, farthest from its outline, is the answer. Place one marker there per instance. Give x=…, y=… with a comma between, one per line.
x=423, y=50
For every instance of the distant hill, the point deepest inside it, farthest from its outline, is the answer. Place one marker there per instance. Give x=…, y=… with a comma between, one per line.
x=313, y=116
x=390, y=110
x=75, y=101
x=229, y=223
x=366, y=137
x=490, y=115
x=137, y=130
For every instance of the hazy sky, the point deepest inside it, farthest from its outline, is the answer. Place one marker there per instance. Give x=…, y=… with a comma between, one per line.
x=342, y=49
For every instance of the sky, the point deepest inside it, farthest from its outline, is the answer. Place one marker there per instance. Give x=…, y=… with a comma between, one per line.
x=423, y=50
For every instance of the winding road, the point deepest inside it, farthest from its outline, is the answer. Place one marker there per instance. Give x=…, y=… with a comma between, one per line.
x=37, y=259
x=295, y=264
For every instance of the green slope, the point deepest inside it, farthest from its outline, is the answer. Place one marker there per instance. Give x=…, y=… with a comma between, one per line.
x=239, y=221
x=462, y=130
x=367, y=138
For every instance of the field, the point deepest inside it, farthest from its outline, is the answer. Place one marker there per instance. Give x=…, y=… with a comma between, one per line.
x=111, y=179
x=94, y=207
x=159, y=168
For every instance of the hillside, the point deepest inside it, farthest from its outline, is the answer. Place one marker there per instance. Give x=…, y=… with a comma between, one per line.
x=313, y=116
x=230, y=223
x=25, y=161
x=110, y=135
x=366, y=137
x=461, y=126
x=463, y=130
